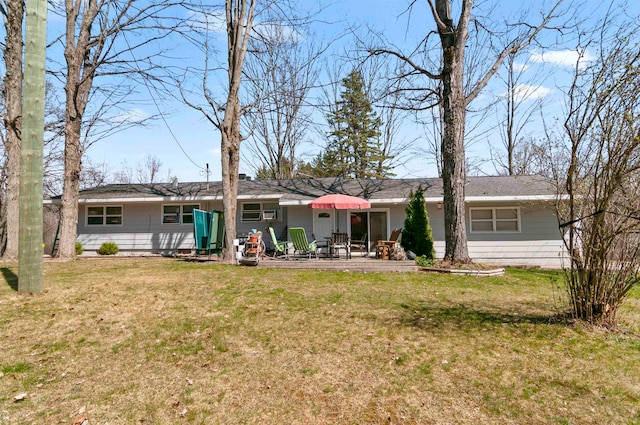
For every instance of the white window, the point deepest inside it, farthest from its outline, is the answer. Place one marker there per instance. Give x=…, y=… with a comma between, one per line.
x=498, y=220
x=103, y=215
x=260, y=211
x=178, y=213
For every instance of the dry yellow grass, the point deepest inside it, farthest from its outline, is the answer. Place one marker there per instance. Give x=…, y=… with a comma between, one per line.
x=165, y=341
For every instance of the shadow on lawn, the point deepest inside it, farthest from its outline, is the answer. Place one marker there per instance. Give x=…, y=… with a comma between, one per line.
x=10, y=277
x=434, y=317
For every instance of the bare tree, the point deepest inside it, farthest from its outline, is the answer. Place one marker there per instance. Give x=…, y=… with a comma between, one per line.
x=225, y=116
x=13, y=14
x=149, y=170
x=93, y=174
x=453, y=37
x=95, y=45
x=280, y=73
x=520, y=101
x=386, y=94
x=600, y=212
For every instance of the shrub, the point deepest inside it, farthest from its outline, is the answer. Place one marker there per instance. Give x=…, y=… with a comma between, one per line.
x=79, y=248
x=108, y=248
x=424, y=261
x=416, y=235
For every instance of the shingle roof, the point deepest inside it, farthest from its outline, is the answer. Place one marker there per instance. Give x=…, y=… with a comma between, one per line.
x=303, y=190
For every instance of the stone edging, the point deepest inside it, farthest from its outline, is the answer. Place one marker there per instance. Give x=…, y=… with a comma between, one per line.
x=470, y=272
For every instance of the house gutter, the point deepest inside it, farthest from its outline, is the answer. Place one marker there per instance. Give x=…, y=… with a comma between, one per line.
x=156, y=199
x=435, y=200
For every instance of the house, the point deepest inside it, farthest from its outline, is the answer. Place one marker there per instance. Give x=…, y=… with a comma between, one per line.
x=510, y=220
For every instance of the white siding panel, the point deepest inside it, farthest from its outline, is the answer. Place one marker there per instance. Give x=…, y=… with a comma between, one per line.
x=540, y=253
x=301, y=216
x=142, y=230
x=153, y=243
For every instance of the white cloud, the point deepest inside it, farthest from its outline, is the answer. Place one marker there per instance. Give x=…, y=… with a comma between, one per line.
x=131, y=116
x=215, y=21
x=521, y=67
x=278, y=32
x=562, y=57
x=526, y=92
x=215, y=152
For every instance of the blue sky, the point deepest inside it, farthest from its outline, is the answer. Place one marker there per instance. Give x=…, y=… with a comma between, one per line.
x=185, y=129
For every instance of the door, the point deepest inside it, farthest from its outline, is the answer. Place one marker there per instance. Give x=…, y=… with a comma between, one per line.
x=373, y=223
x=359, y=225
x=378, y=226
x=323, y=224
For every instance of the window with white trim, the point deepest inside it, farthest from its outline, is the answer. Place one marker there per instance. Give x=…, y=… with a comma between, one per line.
x=104, y=215
x=495, y=220
x=260, y=211
x=178, y=213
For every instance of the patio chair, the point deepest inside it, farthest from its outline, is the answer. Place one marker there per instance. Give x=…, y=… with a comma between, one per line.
x=339, y=241
x=362, y=244
x=301, y=244
x=384, y=248
x=280, y=247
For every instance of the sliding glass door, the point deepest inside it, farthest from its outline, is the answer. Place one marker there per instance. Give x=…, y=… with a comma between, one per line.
x=373, y=223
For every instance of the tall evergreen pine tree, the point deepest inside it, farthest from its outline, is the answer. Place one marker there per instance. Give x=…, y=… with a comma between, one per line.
x=416, y=235
x=354, y=149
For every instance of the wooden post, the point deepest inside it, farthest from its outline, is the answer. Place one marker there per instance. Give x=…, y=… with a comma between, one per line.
x=30, y=233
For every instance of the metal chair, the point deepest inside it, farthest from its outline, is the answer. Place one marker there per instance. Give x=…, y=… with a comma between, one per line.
x=361, y=243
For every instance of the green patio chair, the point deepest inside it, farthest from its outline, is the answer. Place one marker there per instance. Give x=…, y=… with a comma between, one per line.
x=301, y=244
x=280, y=248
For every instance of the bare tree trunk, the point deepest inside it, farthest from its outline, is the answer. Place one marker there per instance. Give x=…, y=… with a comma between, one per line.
x=230, y=152
x=71, y=186
x=12, y=123
x=454, y=116
x=239, y=15
x=79, y=78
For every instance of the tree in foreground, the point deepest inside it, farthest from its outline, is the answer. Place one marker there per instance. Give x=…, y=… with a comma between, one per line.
x=96, y=45
x=599, y=214
x=224, y=113
x=454, y=98
x=416, y=234
x=13, y=14
x=30, y=234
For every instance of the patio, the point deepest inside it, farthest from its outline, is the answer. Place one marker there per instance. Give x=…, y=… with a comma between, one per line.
x=356, y=263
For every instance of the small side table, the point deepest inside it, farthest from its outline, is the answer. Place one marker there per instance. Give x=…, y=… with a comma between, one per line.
x=382, y=250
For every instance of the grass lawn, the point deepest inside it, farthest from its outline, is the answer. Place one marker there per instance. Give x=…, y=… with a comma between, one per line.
x=166, y=341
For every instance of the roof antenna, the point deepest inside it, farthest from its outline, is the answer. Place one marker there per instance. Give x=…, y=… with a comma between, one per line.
x=206, y=173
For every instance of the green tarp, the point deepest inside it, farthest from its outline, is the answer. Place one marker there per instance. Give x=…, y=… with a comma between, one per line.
x=208, y=231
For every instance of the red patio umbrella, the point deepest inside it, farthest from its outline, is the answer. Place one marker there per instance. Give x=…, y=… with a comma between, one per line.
x=338, y=201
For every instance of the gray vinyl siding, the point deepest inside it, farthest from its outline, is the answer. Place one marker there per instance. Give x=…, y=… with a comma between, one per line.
x=538, y=243
x=301, y=216
x=142, y=229
x=537, y=222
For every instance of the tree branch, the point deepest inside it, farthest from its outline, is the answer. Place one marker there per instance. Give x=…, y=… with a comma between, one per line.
x=405, y=59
